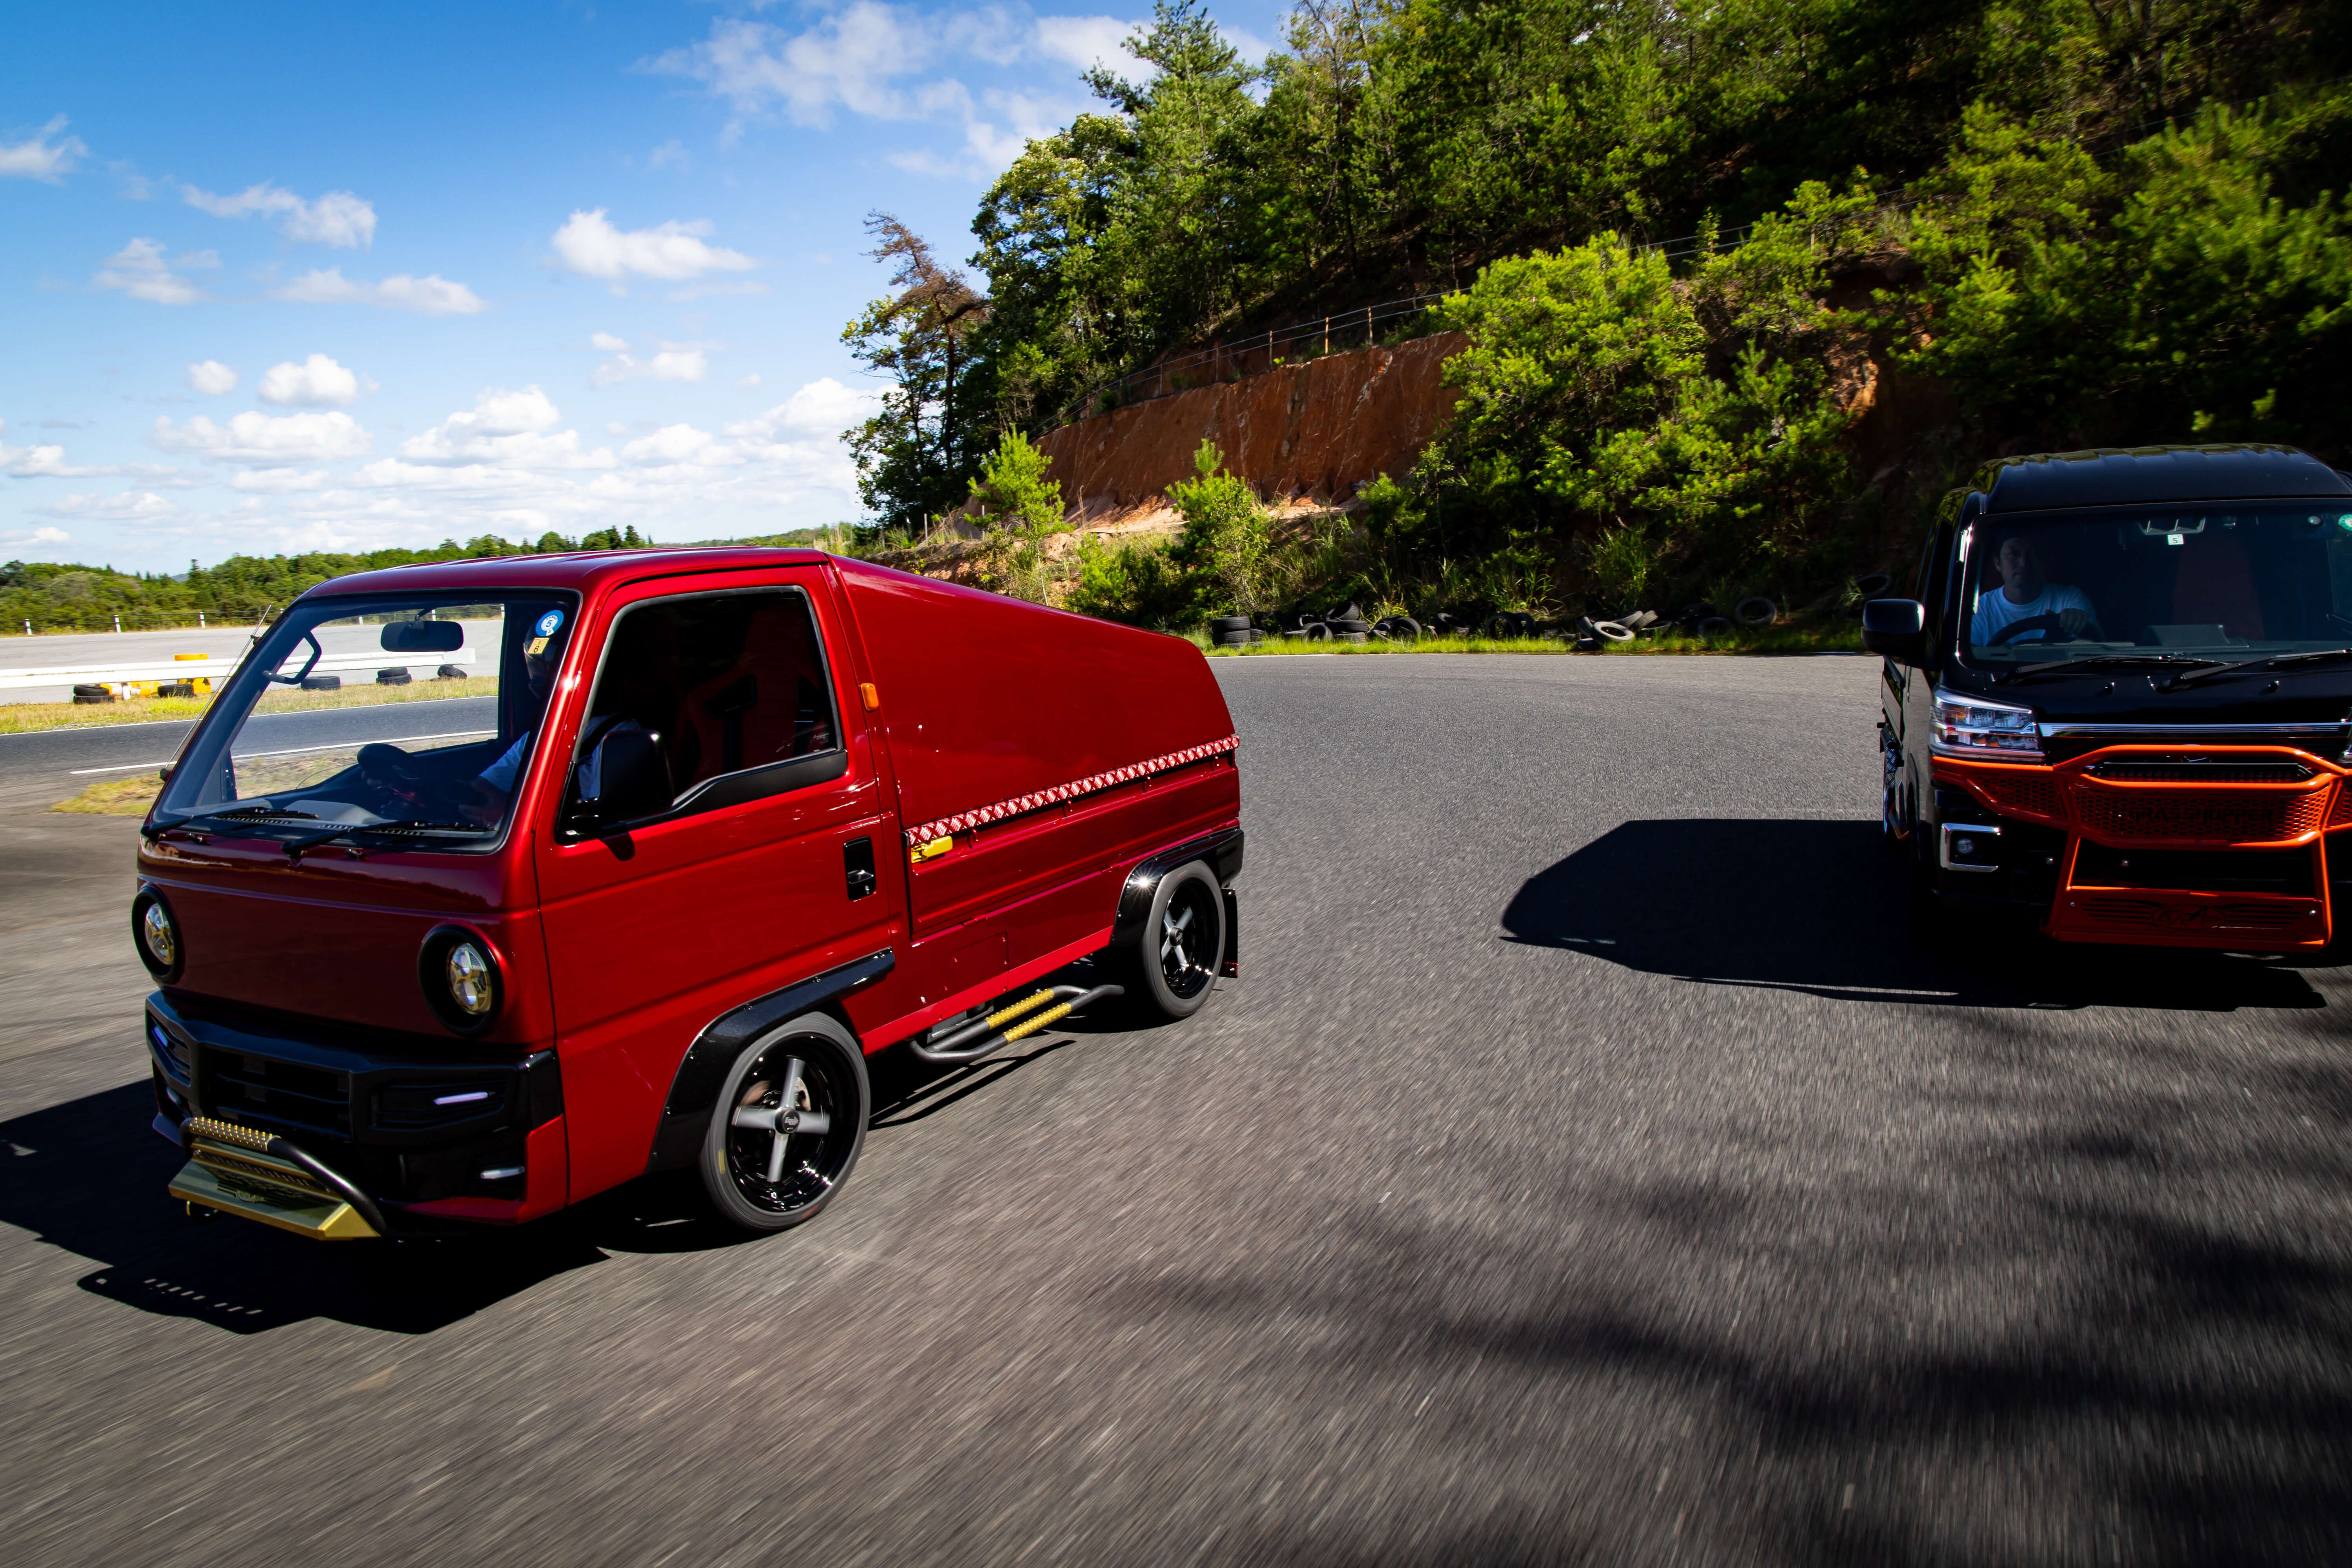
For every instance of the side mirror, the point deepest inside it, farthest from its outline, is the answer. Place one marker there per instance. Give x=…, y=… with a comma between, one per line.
x=423, y=636
x=625, y=776
x=1896, y=629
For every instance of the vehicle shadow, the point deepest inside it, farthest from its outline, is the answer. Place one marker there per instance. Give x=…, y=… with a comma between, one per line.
x=1817, y=907
x=87, y=1178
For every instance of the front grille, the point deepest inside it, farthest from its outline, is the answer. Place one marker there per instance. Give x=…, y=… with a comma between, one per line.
x=2031, y=795
x=249, y=1173
x=2285, y=871
x=2201, y=772
x=2342, y=816
x=2203, y=818
x=2122, y=911
x=277, y=1093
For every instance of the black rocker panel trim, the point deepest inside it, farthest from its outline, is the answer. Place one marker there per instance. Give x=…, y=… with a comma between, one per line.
x=1221, y=850
x=677, y=1142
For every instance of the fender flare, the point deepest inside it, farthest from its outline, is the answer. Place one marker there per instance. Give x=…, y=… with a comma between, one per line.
x=1221, y=851
x=694, y=1089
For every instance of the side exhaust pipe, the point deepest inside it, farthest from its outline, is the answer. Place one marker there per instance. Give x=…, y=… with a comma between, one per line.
x=978, y=1038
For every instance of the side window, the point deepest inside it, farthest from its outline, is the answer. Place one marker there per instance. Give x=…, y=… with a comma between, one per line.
x=730, y=683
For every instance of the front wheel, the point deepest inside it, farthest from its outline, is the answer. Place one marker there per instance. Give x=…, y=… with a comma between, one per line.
x=1173, y=965
x=790, y=1121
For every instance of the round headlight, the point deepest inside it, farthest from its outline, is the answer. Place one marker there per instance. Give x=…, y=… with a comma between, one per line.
x=473, y=987
x=463, y=982
x=163, y=941
x=155, y=934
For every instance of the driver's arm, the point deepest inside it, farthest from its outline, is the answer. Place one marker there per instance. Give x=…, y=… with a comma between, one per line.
x=2077, y=614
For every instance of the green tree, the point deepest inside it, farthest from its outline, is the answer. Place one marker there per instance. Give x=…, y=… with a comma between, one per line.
x=913, y=455
x=1013, y=490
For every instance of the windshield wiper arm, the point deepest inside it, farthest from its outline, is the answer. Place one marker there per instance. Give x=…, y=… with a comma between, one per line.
x=295, y=847
x=2277, y=661
x=223, y=823
x=2107, y=661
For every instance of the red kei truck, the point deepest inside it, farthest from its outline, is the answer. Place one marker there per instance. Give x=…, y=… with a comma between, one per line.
x=2119, y=700
x=734, y=820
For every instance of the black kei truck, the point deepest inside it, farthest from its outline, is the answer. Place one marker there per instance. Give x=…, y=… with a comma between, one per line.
x=2121, y=694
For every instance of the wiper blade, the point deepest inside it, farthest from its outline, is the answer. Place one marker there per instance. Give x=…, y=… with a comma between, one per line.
x=2107, y=661
x=295, y=847
x=2277, y=661
x=243, y=823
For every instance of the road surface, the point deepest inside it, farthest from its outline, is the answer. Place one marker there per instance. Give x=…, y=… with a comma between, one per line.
x=1586, y=1168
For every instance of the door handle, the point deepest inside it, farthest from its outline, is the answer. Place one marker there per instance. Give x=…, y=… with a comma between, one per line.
x=857, y=867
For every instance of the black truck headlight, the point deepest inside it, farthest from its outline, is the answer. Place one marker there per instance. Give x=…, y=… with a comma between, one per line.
x=463, y=983
x=156, y=934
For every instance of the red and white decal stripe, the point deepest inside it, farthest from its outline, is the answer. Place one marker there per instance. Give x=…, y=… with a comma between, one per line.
x=965, y=821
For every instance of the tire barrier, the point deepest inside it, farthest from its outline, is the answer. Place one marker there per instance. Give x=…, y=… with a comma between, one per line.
x=88, y=693
x=1224, y=624
x=1756, y=610
x=396, y=677
x=322, y=683
x=1397, y=629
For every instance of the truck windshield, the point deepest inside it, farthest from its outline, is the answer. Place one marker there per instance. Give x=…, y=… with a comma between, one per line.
x=407, y=721
x=2200, y=583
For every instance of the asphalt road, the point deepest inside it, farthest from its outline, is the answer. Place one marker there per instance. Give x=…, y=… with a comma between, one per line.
x=55, y=763
x=1586, y=1168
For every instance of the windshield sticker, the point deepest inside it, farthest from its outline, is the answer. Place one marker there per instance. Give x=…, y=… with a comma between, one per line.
x=548, y=625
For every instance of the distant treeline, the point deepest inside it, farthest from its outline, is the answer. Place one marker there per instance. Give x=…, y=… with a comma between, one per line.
x=47, y=597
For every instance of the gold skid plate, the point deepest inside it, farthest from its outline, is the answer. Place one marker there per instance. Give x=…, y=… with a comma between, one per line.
x=262, y=1187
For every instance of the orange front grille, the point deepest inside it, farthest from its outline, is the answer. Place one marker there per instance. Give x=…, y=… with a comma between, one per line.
x=2205, y=816
x=2027, y=794
x=2342, y=816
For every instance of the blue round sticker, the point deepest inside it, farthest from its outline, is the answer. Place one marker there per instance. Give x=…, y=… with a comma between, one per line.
x=548, y=622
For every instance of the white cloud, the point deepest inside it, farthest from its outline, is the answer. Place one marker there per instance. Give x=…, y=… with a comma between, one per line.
x=1084, y=41
x=317, y=383
x=430, y=295
x=670, y=154
x=673, y=252
x=278, y=481
x=212, y=378
x=673, y=363
x=132, y=506
x=139, y=270
x=337, y=218
x=607, y=343
x=821, y=409
x=509, y=429
x=43, y=155
x=750, y=380
x=870, y=59
x=267, y=439
x=33, y=538
x=673, y=444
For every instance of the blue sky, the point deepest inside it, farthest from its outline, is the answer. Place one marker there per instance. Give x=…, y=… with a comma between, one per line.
x=321, y=276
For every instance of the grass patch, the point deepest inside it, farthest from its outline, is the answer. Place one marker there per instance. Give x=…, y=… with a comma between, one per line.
x=24, y=718
x=115, y=797
x=1782, y=640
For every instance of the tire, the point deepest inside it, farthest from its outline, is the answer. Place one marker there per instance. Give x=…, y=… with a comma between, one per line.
x=1611, y=632
x=1756, y=611
x=1713, y=626
x=1349, y=626
x=1171, y=970
x=1352, y=637
x=1316, y=632
x=830, y=1081
x=1872, y=585
x=1224, y=624
x=1234, y=639
x=322, y=683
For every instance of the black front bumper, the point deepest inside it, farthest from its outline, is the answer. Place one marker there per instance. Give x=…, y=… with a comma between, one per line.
x=408, y=1121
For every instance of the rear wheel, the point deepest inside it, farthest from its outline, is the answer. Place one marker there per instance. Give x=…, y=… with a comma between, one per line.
x=1172, y=967
x=789, y=1123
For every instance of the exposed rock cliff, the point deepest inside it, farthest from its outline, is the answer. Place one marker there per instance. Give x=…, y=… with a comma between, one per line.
x=1309, y=432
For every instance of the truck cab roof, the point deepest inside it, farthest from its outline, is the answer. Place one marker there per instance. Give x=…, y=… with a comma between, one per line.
x=2132, y=476
x=579, y=569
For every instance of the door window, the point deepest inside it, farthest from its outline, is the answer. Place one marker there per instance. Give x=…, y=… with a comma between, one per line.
x=732, y=686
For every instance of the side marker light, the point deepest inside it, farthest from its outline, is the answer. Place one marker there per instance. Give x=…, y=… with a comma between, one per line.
x=868, y=696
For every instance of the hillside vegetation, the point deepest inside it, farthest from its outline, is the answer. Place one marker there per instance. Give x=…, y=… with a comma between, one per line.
x=1687, y=241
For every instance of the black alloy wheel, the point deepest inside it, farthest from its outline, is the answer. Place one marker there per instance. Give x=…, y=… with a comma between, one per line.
x=1173, y=968
x=788, y=1125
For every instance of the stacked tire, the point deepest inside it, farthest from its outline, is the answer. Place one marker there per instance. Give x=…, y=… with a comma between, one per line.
x=1234, y=631
x=88, y=692
x=1397, y=629
x=396, y=677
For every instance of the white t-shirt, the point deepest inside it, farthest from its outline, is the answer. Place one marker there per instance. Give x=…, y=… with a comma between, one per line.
x=1996, y=609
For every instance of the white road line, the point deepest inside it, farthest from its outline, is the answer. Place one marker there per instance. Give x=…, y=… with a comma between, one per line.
x=289, y=752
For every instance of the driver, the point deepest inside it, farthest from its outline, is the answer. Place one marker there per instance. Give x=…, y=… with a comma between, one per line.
x=482, y=799
x=2026, y=593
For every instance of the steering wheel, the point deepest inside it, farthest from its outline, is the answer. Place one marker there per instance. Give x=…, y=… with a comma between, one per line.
x=2053, y=628
x=390, y=768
